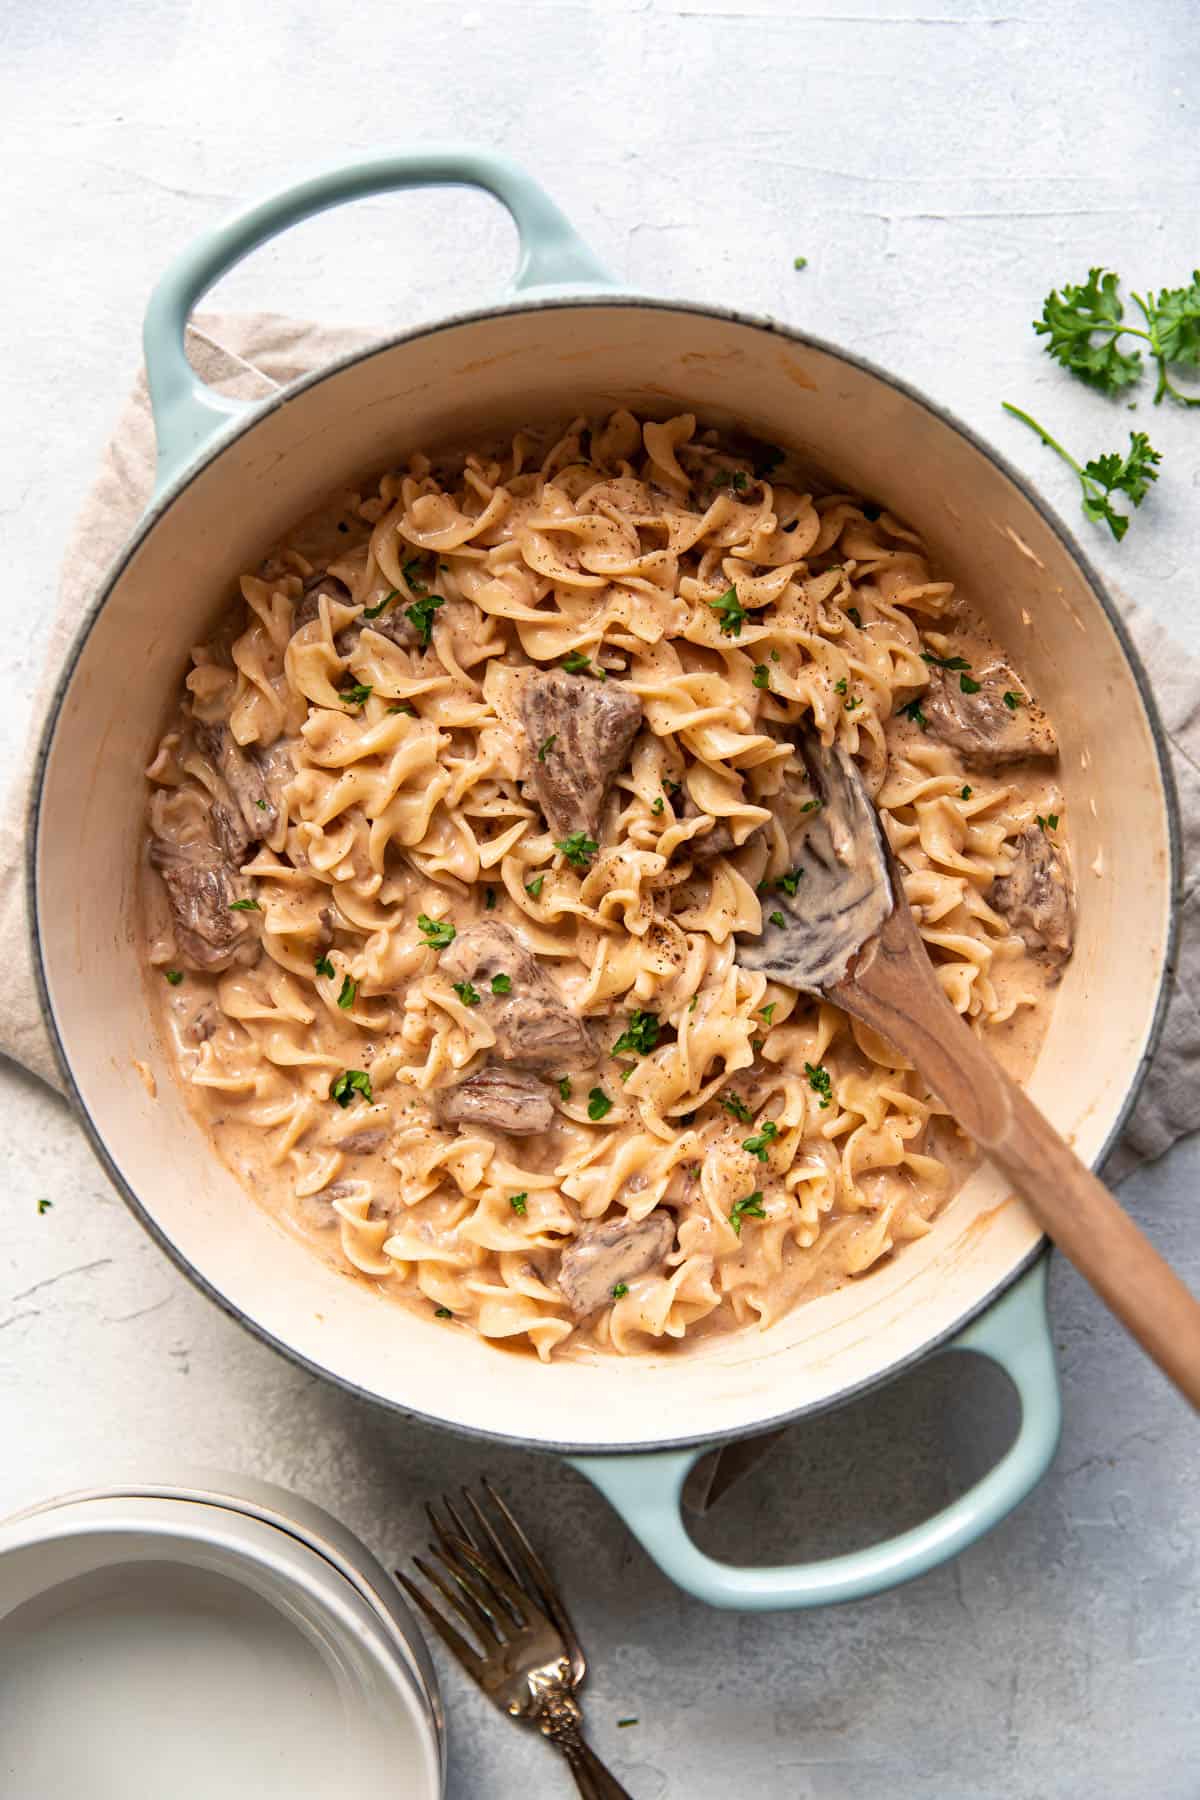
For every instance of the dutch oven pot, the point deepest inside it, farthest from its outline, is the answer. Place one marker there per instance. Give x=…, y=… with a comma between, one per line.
x=231, y=478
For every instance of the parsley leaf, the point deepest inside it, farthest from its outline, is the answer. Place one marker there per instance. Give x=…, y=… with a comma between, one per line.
x=348, y=994
x=776, y=918
x=578, y=848
x=421, y=615
x=913, y=711
x=761, y=677
x=969, y=685
x=546, y=746
x=790, y=882
x=1083, y=324
x=966, y=794
x=620, y=1290
x=43, y=1207
x=173, y=976
x=641, y=1036
x=757, y=1145
x=944, y=662
x=442, y=1312
x=811, y=806
x=373, y=612
x=517, y=1202
x=436, y=932
x=1106, y=475
x=467, y=994
x=564, y=1088
x=598, y=1104
x=357, y=695
x=323, y=966
x=1174, y=320
x=657, y=807
x=404, y=706
x=1049, y=822
x=576, y=663
x=534, y=888
x=821, y=1082
x=408, y=572
x=800, y=262
x=343, y=1087
x=1012, y=701
x=502, y=984
x=751, y=1207
x=768, y=1012
x=839, y=687
x=244, y=906
x=730, y=611
x=853, y=613
x=737, y=1107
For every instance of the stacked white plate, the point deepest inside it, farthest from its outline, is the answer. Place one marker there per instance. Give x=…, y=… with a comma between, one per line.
x=221, y=1637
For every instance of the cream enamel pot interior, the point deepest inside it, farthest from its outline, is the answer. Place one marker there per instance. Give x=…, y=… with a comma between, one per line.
x=231, y=480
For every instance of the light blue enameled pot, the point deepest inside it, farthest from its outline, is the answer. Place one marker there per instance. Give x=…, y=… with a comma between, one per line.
x=231, y=478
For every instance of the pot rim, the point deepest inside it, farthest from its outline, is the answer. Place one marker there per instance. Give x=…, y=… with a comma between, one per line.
x=157, y=510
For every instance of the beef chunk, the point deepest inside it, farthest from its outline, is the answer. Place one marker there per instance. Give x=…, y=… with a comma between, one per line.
x=202, y=886
x=717, y=842
x=608, y=1253
x=579, y=734
x=244, y=808
x=1036, y=896
x=308, y=607
x=514, y=1103
x=987, y=731
x=534, y=1026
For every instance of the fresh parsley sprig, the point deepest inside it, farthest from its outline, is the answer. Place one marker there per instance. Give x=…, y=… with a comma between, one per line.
x=1085, y=323
x=1106, y=475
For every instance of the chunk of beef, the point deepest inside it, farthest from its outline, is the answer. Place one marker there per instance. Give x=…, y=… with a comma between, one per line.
x=364, y=1142
x=608, y=1253
x=514, y=1103
x=1036, y=896
x=987, y=730
x=202, y=886
x=534, y=1026
x=579, y=734
x=244, y=808
x=704, y=847
x=308, y=607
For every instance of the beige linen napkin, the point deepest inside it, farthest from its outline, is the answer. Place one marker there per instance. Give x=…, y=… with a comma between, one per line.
x=249, y=357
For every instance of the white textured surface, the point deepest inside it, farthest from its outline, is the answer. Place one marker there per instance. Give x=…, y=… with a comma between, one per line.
x=940, y=172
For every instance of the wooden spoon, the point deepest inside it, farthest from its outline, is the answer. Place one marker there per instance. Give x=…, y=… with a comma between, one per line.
x=849, y=937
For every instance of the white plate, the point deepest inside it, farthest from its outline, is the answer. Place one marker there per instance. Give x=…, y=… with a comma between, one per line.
x=153, y=1646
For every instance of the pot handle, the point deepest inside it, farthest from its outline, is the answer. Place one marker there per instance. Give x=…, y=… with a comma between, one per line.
x=187, y=413
x=646, y=1489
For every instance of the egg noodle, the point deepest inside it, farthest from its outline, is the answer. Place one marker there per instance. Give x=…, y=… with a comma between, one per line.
x=791, y=1147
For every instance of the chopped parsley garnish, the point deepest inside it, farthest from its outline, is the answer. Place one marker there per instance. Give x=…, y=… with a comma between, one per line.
x=578, y=848
x=966, y=793
x=672, y=787
x=174, y=976
x=502, y=984
x=852, y=612
x=576, y=663
x=641, y=1036
x=436, y=932
x=44, y=1206
x=413, y=563
x=626, y=1073
x=261, y=805
x=693, y=1003
x=820, y=1081
x=854, y=704
x=348, y=994
x=358, y=695
x=1049, y=823
x=811, y=806
x=1012, y=701
x=839, y=687
x=761, y=676
x=790, y=882
x=564, y=1088
x=343, y=1087
x=489, y=899
x=546, y=746
x=421, y=615
x=620, y=1291
x=768, y=1012
x=944, y=662
x=751, y=1207
x=968, y=684
x=517, y=1202
x=657, y=806
x=442, y=1312
x=913, y=711
x=244, y=906
x=373, y=612
x=800, y=262
x=404, y=706
x=621, y=1723
x=737, y=1107
x=467, y=994
x=598, y=1104
x=776, y=918
x=757, y=1145
x=534, y=888
x=323, y=966
x=730, y=611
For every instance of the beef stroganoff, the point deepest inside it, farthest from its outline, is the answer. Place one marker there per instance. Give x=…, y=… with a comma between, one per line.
x=453, y=838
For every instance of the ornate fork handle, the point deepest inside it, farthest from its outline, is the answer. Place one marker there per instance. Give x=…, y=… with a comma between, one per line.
x=560, y=1719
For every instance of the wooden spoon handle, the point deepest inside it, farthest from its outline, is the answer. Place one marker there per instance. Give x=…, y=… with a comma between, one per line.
x=894, y=990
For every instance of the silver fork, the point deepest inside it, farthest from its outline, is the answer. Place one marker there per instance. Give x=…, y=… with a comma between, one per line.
x=529, y=1661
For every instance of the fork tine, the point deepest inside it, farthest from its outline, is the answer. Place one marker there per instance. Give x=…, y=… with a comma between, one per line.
x=462, y=1603
x=503, y=1555
x=458, y=1646
x=513, y=1608
x=543, y=1583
